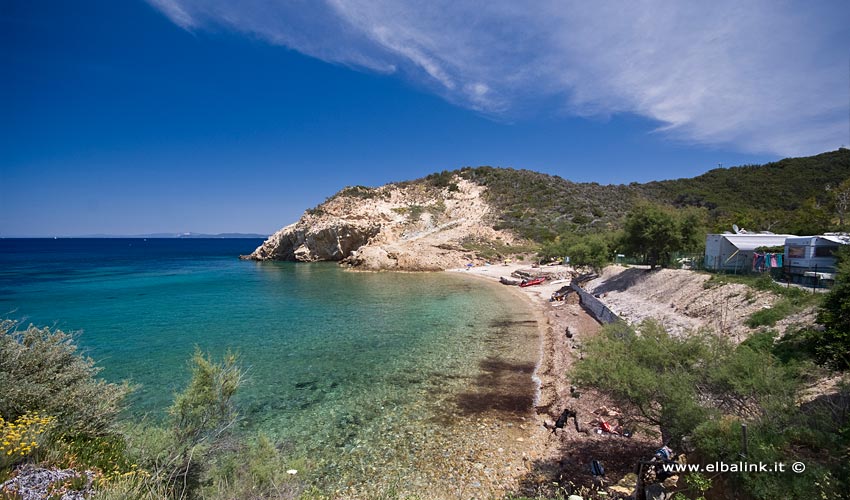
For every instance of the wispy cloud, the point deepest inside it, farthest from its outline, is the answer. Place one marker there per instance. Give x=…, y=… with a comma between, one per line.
x=763, y=77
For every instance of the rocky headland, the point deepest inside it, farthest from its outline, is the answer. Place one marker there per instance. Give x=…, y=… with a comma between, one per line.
x=412, y=226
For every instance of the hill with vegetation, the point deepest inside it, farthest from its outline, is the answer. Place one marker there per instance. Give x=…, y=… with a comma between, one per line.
x=540, y=207
x=488, y=213
x=792, y=194
x=786, y=195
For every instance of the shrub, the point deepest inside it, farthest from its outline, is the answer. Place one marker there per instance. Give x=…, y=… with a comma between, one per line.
x=21, y=437
x=769, y=316
x=41, y=370
x=205, y=409
x=706, y=388
x=254, y=470
x=833, y=344
x=650, y=372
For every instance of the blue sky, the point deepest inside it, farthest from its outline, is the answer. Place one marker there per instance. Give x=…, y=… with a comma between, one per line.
x=216, y=116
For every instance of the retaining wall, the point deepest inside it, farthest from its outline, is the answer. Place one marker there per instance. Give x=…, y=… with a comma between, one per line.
x=595, y=306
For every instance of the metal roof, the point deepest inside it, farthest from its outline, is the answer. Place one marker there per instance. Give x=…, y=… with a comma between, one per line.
x=843, y=240
x=808, y=240
x=751, y=241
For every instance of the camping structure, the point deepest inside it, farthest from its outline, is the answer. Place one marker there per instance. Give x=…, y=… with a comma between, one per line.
x=734, y=252
x=812, y=258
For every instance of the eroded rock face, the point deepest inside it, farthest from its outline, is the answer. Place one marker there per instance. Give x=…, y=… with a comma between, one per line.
x=405, y=227
x=304, y=242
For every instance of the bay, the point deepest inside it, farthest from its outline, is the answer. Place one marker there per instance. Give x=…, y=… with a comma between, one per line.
x=348, y=370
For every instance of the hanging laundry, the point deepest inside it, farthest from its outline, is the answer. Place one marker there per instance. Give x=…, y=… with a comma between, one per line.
x=778, y=260
x=774, y=260
x=759, y=262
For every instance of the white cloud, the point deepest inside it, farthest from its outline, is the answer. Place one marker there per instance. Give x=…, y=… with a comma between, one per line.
x=762, y=77
x=175, y=12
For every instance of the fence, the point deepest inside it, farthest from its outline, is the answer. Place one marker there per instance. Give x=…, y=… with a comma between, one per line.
x=813, y=277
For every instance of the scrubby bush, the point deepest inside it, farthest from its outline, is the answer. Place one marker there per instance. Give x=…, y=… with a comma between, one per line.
x=655, y=375
x=204, y=411
x=705, y=388
x=769, y=316
x=833, y=344
x=196, y=454
x=41, y=370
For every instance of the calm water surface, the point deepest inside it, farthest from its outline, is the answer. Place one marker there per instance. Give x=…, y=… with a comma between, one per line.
x=349, y=370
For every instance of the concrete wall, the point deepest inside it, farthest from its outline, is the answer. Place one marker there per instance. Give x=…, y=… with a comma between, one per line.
x=595, y=306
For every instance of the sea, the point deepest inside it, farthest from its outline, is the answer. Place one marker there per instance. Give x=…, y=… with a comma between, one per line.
x=355, y=375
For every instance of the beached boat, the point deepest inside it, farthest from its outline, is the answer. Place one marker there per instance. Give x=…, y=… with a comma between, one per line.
x=535, y=281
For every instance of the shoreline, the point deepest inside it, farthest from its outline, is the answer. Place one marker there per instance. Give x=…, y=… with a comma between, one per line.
x=543, y=454
x=553, y=318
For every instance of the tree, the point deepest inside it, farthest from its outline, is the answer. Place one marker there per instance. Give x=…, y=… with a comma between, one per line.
x=841, y=201
x=832, y=345
x=810, y=218
x=594, y=250
x=753, y=219
x=655, y=232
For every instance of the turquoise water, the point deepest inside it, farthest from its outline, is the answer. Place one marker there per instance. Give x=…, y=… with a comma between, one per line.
x=356, y=372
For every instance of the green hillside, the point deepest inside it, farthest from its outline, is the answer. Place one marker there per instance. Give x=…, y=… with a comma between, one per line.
x=760, y=195
x=788, y=195
x=540, y=206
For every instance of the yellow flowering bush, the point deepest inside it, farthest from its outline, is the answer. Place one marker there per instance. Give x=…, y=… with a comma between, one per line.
x=103, y=478
x=20, y=437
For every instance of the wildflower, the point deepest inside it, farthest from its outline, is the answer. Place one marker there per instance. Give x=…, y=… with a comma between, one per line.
x=19, y=438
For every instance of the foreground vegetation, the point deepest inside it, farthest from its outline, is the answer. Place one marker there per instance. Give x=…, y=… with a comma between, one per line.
x=699, y=390
x=55, y=412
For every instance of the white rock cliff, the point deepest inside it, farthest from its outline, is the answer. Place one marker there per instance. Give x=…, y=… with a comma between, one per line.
x=407, y=226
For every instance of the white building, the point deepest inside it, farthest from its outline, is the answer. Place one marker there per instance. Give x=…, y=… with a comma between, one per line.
x=734, y=252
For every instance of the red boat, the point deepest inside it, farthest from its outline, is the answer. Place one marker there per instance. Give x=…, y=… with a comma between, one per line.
x=535, y=281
